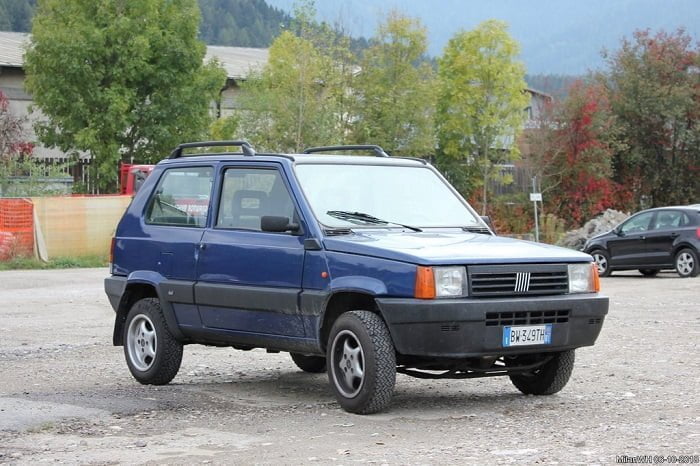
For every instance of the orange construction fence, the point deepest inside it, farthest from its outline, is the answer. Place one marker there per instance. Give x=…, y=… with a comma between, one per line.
x=64, y=226
x=16, y=228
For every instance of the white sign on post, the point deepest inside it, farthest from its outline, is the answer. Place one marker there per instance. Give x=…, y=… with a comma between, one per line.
x=536, y=197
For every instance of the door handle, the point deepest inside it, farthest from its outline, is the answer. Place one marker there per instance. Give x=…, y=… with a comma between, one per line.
x=675, y=235
x=643, y=237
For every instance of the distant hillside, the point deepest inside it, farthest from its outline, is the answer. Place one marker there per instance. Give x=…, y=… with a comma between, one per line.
x=241, y=23
x=238, y=23
x=557, y=36
x=16, y=15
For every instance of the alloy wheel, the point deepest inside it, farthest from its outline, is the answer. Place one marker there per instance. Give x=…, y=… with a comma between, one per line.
x=141, y=342
x=601, y=261
x=348, y=365
x=685, y=263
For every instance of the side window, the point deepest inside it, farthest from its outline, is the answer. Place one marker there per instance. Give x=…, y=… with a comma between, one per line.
x=248, y=194
x=668, y=219
x=637, y=224
x=181, y=197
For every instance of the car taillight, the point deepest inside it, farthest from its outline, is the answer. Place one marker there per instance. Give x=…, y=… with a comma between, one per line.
x=697, y=233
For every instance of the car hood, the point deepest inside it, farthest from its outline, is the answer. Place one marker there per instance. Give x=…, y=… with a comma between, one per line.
x=449, y=247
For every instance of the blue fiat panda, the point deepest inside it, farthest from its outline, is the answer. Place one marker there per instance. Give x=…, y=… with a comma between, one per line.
x=361, y=266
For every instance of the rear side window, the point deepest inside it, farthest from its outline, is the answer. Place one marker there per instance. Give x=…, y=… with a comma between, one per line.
x=667, y=219
x=181, y=197
x=248, y=194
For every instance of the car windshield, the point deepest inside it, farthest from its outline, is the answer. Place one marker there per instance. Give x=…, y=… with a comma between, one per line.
x=348, y=196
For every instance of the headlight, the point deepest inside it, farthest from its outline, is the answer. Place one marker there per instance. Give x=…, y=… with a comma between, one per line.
x=450, y=281
x=583, y=278
x=441, y=282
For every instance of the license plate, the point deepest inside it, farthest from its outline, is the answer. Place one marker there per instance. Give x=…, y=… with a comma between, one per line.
x=527, y=335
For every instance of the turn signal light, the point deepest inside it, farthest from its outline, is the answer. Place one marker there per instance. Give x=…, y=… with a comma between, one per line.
x=596, y=277
x=425, y=283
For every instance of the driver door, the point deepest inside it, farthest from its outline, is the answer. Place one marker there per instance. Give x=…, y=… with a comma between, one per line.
x=249, y=280
x=629, y=248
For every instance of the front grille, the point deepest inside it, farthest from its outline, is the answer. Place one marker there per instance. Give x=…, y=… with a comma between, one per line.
x=501, y=319
x=518, y=280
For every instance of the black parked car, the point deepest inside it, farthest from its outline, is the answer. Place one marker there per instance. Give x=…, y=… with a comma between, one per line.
x=651, y=240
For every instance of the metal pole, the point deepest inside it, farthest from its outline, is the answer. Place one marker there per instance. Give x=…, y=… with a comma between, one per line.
x=537, y=222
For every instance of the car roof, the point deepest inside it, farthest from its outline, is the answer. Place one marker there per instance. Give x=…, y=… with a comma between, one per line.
x=692, y=208
x=297, y=159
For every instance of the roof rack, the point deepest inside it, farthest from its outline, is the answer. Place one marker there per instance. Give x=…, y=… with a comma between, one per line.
x=378, y=151
x=245, y=146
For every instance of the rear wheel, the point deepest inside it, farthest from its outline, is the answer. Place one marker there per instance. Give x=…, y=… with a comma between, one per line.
x=153, y=355
x=313, y=364
x=649, y=272
x=602, y=260
x=362, y=362
x=548, y=378
x=687, y=263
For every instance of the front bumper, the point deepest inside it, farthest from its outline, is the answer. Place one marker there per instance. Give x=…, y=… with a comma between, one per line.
x=457, y=328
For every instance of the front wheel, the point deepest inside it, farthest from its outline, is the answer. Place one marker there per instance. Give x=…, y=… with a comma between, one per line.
x=548, y=378
x=152, y=353
x=602, y=261
x=687, y=263
x=362, y=362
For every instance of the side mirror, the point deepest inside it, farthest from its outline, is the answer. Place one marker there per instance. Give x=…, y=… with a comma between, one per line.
x=277, y=224
x=619, y=232
x=487, y=220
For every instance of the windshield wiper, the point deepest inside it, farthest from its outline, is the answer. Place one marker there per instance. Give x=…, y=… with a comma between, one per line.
x=354, y=217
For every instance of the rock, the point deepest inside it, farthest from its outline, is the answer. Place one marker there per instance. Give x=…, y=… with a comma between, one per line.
x=575, y=239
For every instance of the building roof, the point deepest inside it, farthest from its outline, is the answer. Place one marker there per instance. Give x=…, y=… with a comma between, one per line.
x=536, y=92
x=237, y=61
x=11, y=49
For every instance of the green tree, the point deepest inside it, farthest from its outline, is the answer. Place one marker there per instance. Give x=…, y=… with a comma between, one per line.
x=395, y=90
x=481, y=103
x=300, y=97
x=120, y=79
x=654, y=87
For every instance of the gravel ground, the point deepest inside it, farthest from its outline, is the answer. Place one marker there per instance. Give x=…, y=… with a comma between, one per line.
x=67, y=396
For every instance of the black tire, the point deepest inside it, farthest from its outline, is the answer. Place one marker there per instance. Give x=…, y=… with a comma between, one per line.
x=649, y=272
x=602, y=260
x=370, y=349
x=548, y=378
x=145, y=332
x=312, y=364
x=687, y=263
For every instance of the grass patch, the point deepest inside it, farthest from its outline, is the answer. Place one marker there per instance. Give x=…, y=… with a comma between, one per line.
x=29, y=263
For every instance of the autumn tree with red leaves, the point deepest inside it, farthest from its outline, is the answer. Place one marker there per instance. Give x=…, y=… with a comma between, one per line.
x=654, y=87
x=573, y=148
